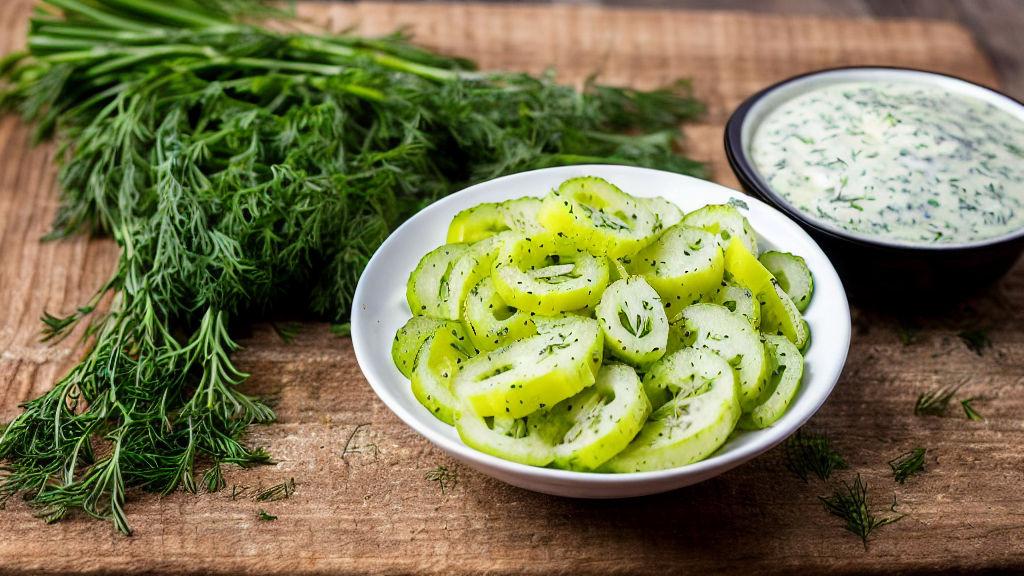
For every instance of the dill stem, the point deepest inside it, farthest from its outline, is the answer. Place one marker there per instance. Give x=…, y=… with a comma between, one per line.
x=98, y=16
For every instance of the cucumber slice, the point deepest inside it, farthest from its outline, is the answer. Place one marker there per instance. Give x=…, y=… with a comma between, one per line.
x=665, y=211
x=596, y=424
x=437, y=362
x=793, y=275
x=596, y=215
x=682, y=265
x=783, y=383
x=476, y=223
x=739, y=300
x=547, y=275
x=491, y=322
x=409, y=339
x=693, y=423
x=523, y=215
x=536, y=372
x=778, y=312
x=428, y=283
x=715, y=328
x=633, y=321
x=725, y=222
x=506, y=438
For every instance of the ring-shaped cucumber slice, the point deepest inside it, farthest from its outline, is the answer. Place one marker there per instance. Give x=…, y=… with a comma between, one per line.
x=793, y=275
x=410, y=337
x=491, y=322
x=740, y=300
x=533, y=373
x=683, y=265
x=506, y=438
x=547, y=275
x=428, y=286
x=666, y=212
x=693, y=423
x=633, y=321
x=784, y=383
x=437, y=363
x=779, y=315
x=713, y=327
x=476, y=223
x=596, y=215
x=725, y=222
x=523, y=215
x=596, y=424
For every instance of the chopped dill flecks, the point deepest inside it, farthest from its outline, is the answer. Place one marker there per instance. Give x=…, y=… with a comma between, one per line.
x=969, y=410
x=849, y=502
x=275, y=493
x=264, y=516
x=976, y=340
x=935, y=402
x=906, y=464
x=737, y=203
x=446, y=478
x=809, y=453
x=286, y=332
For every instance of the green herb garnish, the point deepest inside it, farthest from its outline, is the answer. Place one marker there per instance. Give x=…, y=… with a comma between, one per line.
x=264, y=516
x=906, y=464
x=976, y=340
x=969, y=410
x=935, y=402
x=850, y=503
x=807, y=453
x=342, y=329
x=286, y=332
x=277, y=492
x=243, y=170
x=445, y=477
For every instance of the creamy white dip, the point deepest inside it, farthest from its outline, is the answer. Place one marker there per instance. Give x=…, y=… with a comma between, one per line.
x=906, y=161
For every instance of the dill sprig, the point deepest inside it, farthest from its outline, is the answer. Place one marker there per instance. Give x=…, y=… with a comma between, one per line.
x=849, y=502
x=976, y=340
x=276, y=492
x=969, y=410
x=342, y=329
x=265, y=516
x=935, y=402
x=908, y=463
x=286, y=332
x=243, y=171
x=807, y=453
x=446, y=478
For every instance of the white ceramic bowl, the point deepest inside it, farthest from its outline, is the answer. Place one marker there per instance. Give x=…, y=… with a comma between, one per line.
x=380, y=309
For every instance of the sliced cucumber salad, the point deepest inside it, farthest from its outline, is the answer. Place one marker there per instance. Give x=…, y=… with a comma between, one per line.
x=596, y=331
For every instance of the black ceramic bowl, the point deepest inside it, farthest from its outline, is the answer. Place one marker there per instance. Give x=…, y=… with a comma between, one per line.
x=880, y=271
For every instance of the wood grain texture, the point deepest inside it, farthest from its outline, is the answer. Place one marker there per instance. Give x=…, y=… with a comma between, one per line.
x=374, y=512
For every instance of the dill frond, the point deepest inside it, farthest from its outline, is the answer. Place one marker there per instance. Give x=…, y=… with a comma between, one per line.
x=849, y=503
x=343, y=329
x=807, y=453
x=446, y=478
x=935, y=402
x=969, y=410
x=277, y=492
x=908, y=463
x=264, y=516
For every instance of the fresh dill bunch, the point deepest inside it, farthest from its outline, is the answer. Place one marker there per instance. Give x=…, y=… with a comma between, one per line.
x=976, y=340
x=244, y=171
x=969, y=410
x=807, y=453
x=935, y=402
x=446, y=478
x=907, y=464
x=849, y=502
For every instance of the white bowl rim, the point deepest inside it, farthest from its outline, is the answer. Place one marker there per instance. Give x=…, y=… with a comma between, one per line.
x=758, y=106
x=718, y=462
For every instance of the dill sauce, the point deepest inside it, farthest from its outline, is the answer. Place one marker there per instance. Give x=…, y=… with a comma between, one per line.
x=903, y=161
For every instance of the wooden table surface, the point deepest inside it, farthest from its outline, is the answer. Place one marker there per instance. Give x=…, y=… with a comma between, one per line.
x=373, y=510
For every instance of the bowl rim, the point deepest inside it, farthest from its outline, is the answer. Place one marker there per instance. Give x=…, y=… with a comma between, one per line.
x=750, y=178
x=712, y=465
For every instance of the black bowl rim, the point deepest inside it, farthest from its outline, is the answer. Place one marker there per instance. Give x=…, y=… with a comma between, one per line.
x=751, y=180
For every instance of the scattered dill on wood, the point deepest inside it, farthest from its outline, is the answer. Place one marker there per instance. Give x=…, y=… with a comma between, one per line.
x=969, y=410
x=264, y=516
x=807, y=453
x=352, y=447
x=277, y=492
x=446, y=478
x=343, y=329
x=849, y=502
x=976, y=340
x=935, y=402
x=908, y=463
x=287, y=332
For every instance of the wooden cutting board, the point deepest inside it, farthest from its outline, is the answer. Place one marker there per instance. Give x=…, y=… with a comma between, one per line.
x=372, y=510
